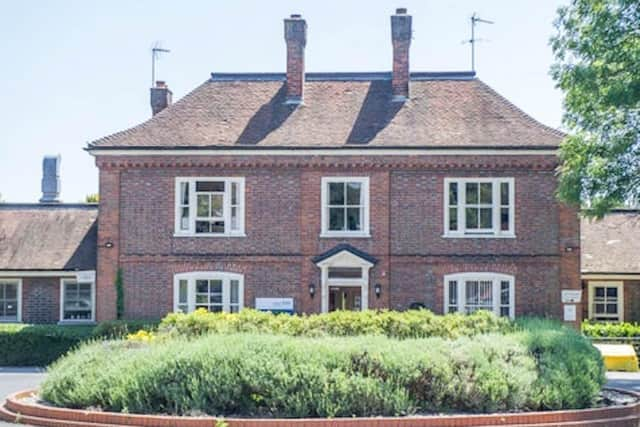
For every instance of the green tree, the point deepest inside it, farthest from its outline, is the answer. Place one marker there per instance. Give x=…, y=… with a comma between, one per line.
x=597, y=65
x=92, y=198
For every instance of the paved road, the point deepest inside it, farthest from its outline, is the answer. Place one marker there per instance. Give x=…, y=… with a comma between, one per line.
x=16, y=379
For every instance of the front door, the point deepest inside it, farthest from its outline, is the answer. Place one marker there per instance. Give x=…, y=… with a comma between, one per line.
x=345, y=298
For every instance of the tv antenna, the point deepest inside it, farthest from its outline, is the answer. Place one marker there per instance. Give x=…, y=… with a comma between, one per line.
x=156, y=50
x=475, y=19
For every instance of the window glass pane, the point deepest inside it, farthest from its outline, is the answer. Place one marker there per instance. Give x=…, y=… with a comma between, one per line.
x=354, y=193
x=471, y=190
x=234, y=193
x=486, y=218
x=599, y=308
x=215, y=298
x=184, y=193
x=504, y=219
x=353, y=219
x=504, y=193
x=183, y=308
x=202, y=286
x=336, y=218
x=184, y=218
x=471, y=216
x=183, y=292
x=216, y=205
x=600, y=292
x=203, y=205
x=202, y=299
x=345, y=272
x=453, y=193
x=612, y=292
x=235, y=225
x=210, y=186
x=504, y=292
x=215, y=308
x=203, y=227
x=10, y=291
x=485, y=193
x=453, y=292
x=453, y=218
x=216, y=286
x=504, y=311
x=336, y=193
x=235, y=292
x=217, y=227
x=612, y=308
x=10, y=309
x=234, y=309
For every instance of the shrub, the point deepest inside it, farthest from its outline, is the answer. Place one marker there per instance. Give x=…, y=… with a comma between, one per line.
x=542, y=365
x=39, y=345
x=402, y=325
x=610, y=329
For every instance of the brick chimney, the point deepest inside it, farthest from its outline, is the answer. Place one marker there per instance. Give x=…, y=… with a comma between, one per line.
x=295, y=34
x=50, y=179
x=401, y=39
x=160, y=97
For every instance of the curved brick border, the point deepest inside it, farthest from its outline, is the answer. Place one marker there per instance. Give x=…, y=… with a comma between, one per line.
x=16, y=409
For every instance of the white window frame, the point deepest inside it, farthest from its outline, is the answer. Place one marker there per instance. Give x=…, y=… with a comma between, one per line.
x=241, y=207
x=364, y=182
x=191, y=278
x=495, y=231
x=19, y=299
x=496, y=278
x=619, y=316
x=63, y=282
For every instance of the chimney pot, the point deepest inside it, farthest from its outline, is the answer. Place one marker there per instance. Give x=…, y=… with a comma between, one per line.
x=401, y=40
x=160, y=97
x=295, y=35
x=51, y=179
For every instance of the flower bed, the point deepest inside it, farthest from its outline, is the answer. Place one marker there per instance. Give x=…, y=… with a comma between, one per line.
x=533, y=365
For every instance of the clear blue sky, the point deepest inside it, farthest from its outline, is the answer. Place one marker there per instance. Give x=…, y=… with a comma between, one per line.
x=73, y=71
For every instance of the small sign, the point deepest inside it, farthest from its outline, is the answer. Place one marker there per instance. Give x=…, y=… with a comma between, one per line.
x=275, y=305
x=86, y=276
x=569, y=313
x=571, y=296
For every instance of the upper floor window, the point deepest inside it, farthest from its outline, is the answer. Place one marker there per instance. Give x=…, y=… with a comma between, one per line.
x=469, y=292
x=479, y=207
x=345, y=207
x=212, y=291
x=209, y=206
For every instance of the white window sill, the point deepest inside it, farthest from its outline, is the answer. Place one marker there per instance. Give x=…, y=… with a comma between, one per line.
x=207, y=235
x=478, y=236
x=345, y=235
x=76, y=322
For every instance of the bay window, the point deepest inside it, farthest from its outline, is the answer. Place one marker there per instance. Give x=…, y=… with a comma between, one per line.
x=470, y=292
x=345, y=207
x=209, y=207
x=212, y=291
x=479, y=207
x=10, y=300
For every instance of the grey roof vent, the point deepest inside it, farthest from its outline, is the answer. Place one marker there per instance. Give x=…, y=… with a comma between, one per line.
x=51, y=179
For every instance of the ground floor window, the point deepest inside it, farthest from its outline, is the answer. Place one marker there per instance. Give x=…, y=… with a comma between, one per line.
x=77, y=301
x=213, y=291
x=10, y=300
x=606, y=301
x=469, y=292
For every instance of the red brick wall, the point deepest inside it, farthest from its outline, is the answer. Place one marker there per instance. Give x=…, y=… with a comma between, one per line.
x=40, y=299
x=283, y=227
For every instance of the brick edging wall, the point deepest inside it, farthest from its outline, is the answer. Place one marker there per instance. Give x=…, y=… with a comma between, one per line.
x=37, y=414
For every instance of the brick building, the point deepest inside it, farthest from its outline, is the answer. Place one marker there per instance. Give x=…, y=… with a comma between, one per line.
x=323, y=191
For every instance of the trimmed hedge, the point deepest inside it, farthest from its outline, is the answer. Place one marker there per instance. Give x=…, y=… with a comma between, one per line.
x=610, y=329
x=538, y=365
x=394, y=324
x=39, y=345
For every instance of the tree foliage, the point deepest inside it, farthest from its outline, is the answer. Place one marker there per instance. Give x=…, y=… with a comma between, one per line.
x=92, y=198
x=597, y=53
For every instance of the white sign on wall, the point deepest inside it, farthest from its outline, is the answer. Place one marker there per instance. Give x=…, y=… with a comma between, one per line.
x=569, y=313
x=86, y=276
x=275, y=304
x=571, y=296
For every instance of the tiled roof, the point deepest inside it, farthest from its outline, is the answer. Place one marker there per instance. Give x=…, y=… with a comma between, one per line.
x=612, y=244
x=340, y=110
x=48, y=237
